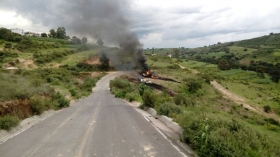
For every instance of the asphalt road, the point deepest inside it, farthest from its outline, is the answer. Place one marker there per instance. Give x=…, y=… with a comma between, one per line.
x=99, y=125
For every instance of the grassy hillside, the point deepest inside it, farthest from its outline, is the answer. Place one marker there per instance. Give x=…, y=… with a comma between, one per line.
x=213, y=125
x=247, y=68
x=37, y=74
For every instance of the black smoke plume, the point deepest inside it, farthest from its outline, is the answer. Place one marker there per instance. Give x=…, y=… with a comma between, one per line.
x=105, y=19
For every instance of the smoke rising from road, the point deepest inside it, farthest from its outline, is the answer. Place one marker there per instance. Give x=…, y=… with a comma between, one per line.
x=105, y=19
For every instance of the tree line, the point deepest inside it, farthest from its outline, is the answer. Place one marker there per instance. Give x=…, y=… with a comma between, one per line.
x=59, y=33
x=230, y=61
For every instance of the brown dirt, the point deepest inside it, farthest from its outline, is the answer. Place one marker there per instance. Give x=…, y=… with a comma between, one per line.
x=92, y=61
x=26, y=64
x=18, y=108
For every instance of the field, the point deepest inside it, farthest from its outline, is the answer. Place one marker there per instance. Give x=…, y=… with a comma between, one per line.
x=206, y=106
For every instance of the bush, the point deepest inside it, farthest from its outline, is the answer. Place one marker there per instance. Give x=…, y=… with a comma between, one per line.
x=119, y=93
x=272, y=121
x=168, y=109
x=267, y=108
x=73, y=92
x=179, y=99
x=88, y=84
x=63, y=102
x=60, y=100
x=149, y=98
x=142, y=88
x=120, y=84
x=132, y=96
x=193, y=85
x=208, y=78
x=218, y=137
x=8, y=121
x=37, y=105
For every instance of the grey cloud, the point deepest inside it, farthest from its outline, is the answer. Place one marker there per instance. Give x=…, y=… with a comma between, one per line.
x=185, y=10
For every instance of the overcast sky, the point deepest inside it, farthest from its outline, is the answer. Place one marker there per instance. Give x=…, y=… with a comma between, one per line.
x=171, y=23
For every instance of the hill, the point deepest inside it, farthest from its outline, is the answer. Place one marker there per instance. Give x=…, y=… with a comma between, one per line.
x=41, y=73
x=260, y=54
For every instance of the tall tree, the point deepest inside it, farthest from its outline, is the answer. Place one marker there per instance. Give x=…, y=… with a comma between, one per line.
x=52, y=33
x=76, y=40
x=176, y=53
x=84, y=40
x=44, y=35
x=61, y=33
x=6, y=34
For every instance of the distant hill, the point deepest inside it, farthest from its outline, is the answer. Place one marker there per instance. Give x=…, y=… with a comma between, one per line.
x=268, y=41
x=261, y=54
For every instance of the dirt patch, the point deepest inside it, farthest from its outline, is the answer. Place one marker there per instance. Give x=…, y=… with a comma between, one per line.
x=18, y=108
x=26, y=64
x=92, y=61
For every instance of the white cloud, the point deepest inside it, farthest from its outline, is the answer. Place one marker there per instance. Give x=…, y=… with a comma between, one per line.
x=11, y=19
x=154, y=38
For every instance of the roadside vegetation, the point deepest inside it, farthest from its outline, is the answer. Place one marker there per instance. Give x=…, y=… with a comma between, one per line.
x=213, y=124
x=46, y=73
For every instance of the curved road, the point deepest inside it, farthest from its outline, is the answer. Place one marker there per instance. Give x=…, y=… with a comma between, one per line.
x=99, y=125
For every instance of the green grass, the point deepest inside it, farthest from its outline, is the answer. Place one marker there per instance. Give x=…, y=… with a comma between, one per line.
x=258, y=91
x=25, y=56
x=207, y=103
x=277, y=54
x=80, y=56
x=158, y=63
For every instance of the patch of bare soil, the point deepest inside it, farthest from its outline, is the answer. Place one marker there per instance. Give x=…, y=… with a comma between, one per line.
x=92, y=60
x=27, y=64
x=19, y=108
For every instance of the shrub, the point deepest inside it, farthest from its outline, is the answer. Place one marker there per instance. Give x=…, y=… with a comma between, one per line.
x=120, y=93
x=218, y=137
x=179, y=99
x=88, y=84
x=149, y=98
x=37, y=104
x=63, y=102
x=120, y=83
x=193, y=85
x=60, y=100
x=8, y=121
x=73, y=92
x=267, y=108
x=142, y=88
x=132, y=96
x=8, y=45
x=272, y=121
x=208, y=78
x=168, y=109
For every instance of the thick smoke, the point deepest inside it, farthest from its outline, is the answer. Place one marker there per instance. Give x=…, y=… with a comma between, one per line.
x=105, y=19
